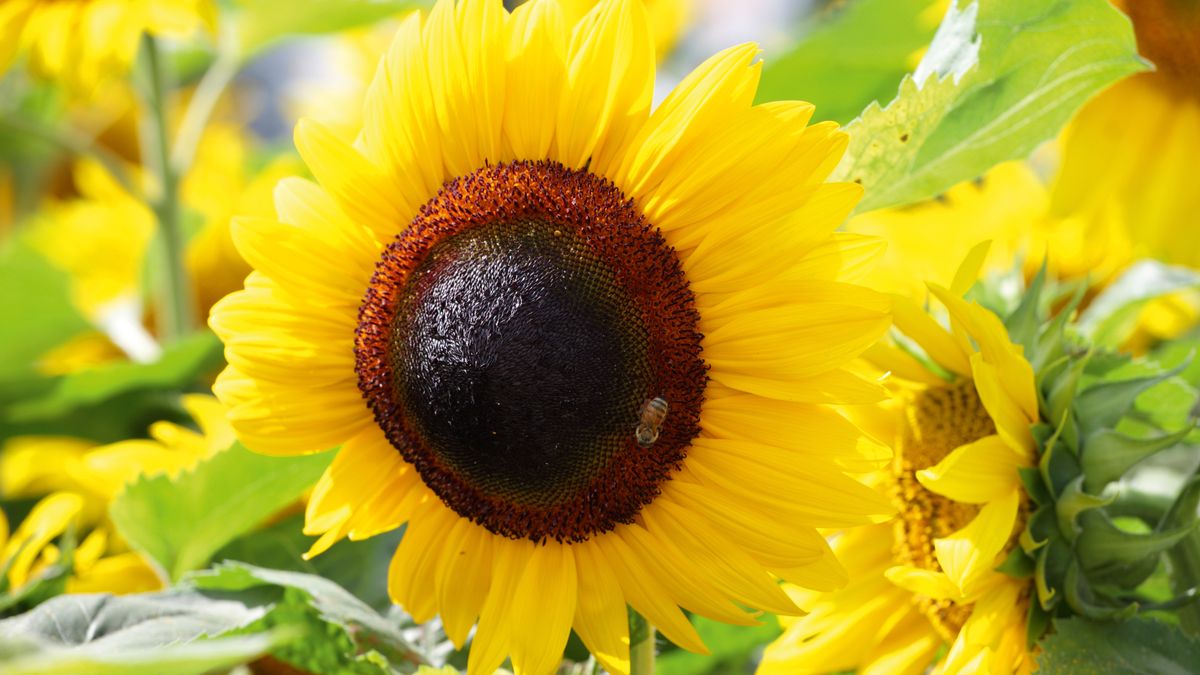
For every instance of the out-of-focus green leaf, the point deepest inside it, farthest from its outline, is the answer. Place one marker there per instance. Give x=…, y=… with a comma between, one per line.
x=178, y=367
x=358, y=566
x=142, y=634
x=108, y=402
x=375, y=640
x=732, y=647
x=261, y=23
x=1000, y=77
x=37, y=310
x=1111, y=317
x=855, y=55
x=180, y=523
x=1138, y=646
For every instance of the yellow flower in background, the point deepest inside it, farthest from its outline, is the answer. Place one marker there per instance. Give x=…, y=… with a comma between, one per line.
x=960, y=433
x=596, y=342
x=79, y=478
x=101, y=239
x=83, y=43
x=928, y=240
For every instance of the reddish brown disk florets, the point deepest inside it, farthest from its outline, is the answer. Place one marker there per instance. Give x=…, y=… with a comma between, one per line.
x=508, y=342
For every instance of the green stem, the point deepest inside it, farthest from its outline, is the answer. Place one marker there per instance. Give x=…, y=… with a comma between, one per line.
x=175, y=314
x=204, y=100
x=641, y=645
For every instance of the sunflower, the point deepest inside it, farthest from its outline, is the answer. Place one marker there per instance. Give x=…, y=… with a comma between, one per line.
x=75, y=480
x=959, y=444
x=101, y=238
x=83, y=43
x=989, y=542
x=584, y=350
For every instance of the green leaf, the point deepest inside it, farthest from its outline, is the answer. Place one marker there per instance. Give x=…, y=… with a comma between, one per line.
x=358, y=566
x=1001, y=76
x=131, y=635
x=1111, y=317
x=37, y=308
x=1138, y=646
x=1107, y=454
x=180, y=523
x=180, y=364
x=262, y=23
x=856, y=54
x=731, y=647
x=368, y=631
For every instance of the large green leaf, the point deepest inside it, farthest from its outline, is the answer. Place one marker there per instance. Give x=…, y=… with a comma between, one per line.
x=261, y=23
x=1001, y=76
x=1135, y=647
x=358, y=566
x=181, y=522
x=177, y=368
x=374, y=641
x=856, y=54
x=131, y=635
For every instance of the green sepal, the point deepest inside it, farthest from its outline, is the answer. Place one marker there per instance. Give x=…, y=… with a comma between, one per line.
x=1023, y=323
x=1104, y=549
x=1084, y=603
x=1052, y=564
x=1058, y=465
x=1042, y=526
x=1018, y=564
x=1037, y=622
x=1103, y=404
x=1108, y=454
x=1052, y=343
x=1031, y=479
x=1044, y=378
x=1060, y=397
x=1074, y=501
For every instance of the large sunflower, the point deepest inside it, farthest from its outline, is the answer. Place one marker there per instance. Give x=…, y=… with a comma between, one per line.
x=583, y=349
x=961, y=432
x=84, y=42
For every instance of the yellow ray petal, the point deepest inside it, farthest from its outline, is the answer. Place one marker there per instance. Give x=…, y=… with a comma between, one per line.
x=969, y=555
x=600, y=614
x=463, y=581
x=537, y=52
x=610, y=81
x=542, y=609
x=492, y=638
x=975, y=473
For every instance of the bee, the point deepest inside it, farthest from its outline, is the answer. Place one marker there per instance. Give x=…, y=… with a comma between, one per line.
x=652, y=415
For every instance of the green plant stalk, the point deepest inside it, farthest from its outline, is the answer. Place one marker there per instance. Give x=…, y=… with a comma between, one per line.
x=641, y=645
x=174, y=311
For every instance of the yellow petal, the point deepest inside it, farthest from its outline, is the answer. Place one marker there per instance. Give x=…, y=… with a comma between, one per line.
x=976, y=473
x=610, y=82
x=47, y=520
x=929, y=583
x=493, y=637
x=646, y=593
x=463, y=581
x=937, y=342
x=537, y=52
x=601, y=619
x=542, y=609
x=969, y=555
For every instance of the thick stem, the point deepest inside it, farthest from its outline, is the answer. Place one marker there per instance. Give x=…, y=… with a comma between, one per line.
x=641, y=645
x=174, y=310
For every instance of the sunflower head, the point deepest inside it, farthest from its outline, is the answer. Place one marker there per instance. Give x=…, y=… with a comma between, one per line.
x=1007, y=520
x=586, y=350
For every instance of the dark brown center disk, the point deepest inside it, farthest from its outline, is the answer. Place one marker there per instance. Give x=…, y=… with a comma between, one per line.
x=510, y=339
